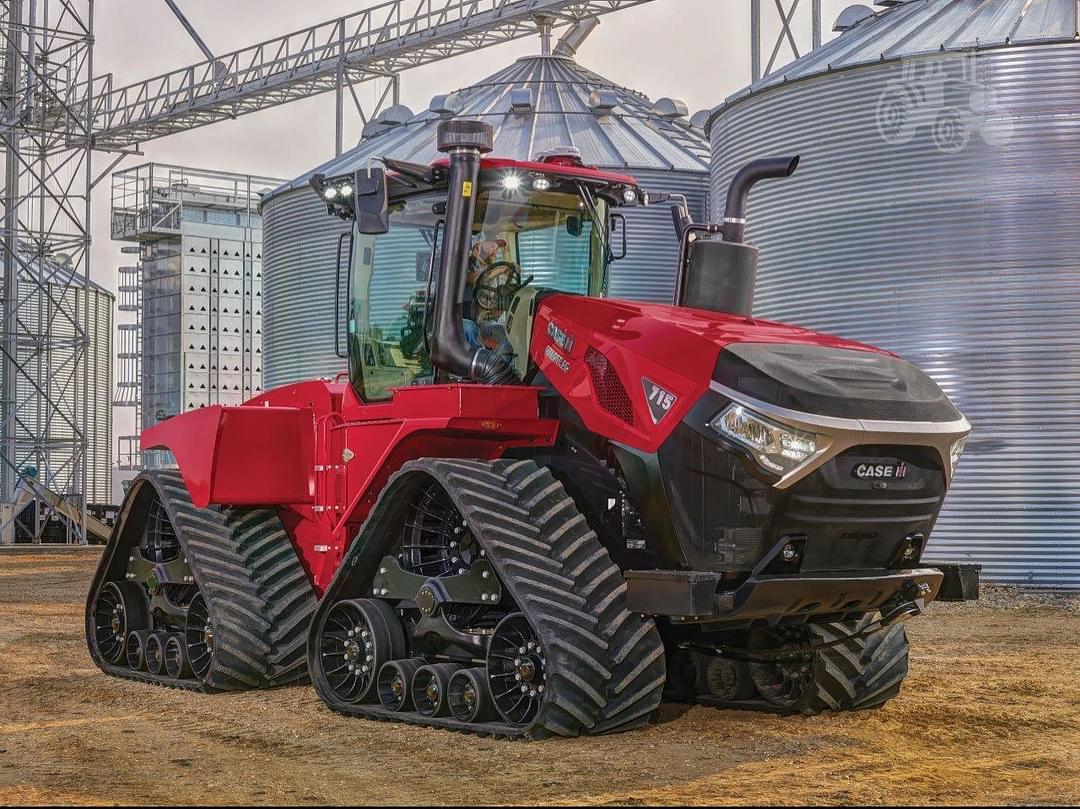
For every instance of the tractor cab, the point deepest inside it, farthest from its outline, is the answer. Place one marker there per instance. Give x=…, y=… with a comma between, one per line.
x=536, y=228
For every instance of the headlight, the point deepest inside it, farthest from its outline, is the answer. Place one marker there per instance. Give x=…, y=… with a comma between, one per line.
x=956, y=451
x=330, y=193
x=777, y=448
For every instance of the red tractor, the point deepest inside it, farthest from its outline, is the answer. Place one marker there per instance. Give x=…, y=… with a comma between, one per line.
x=530, y=510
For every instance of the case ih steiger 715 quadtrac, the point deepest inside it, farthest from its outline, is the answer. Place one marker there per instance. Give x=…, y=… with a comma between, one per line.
x=531, y=510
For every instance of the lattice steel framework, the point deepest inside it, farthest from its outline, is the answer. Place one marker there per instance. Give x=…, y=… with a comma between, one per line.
x=46, y=109
x=378, y=42
x=791, y=41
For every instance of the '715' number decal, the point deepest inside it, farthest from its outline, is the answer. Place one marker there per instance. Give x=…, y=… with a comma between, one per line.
x=660, y=400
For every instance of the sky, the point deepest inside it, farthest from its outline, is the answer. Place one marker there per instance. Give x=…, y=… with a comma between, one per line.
x=695, y=50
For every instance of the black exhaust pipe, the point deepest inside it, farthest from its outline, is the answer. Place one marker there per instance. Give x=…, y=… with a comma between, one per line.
x=465, y=142
x=719, y=275
x=747, y=177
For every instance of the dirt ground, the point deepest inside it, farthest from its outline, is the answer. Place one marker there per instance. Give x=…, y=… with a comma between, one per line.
x=989, y=714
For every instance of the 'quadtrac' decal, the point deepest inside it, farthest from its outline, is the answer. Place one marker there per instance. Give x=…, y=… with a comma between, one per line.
x=660, y=400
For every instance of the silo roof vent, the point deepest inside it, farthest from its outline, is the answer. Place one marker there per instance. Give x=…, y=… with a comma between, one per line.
x=852, y=16
x=700, y=119
x=670, y=108
x=395, y=115
x=446, y=104
x=603, y=102
x=521, y=100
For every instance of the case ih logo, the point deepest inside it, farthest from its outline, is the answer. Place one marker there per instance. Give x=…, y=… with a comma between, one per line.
x=880, y=471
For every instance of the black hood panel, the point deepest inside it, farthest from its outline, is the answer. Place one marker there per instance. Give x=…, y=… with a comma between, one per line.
x=837, y=382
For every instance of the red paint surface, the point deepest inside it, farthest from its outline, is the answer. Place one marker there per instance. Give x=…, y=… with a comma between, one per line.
x=676, y=348
x=321, y=456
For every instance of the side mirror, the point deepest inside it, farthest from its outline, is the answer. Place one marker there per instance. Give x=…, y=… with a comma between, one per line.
x=371, y=204
x=617, y=235
x=573, y=226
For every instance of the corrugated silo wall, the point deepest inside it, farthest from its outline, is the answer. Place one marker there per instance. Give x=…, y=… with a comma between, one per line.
x=300, y=242
x=299, y=259
x=966, y=261
x=648, y=271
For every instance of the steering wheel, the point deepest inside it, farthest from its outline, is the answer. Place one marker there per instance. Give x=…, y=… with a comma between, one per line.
x=496, y=286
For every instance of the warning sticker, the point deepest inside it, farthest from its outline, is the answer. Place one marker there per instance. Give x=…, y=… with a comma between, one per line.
x=466, y=189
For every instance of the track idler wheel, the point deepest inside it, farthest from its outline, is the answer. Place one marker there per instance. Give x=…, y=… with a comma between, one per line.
x=516, y=664
x=358, y=637
x=395, y=683
x=429, y=688
x=120, y=609
x=199, y=637
x=468, y=696
x=154, y=652
x=177, y=664
x=135, y=649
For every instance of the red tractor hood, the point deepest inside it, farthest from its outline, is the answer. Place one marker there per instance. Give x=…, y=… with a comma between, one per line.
x=633, y=370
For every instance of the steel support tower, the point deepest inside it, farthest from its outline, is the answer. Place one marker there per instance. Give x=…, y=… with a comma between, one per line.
x=46, y=109
x=791, y=40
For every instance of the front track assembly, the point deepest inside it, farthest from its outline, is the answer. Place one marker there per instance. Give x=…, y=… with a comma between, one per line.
x=204, y=599
x=476, y=598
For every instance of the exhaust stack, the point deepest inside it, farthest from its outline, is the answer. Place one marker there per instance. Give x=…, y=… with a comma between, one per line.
x=465, y=142
x=719, y=275
x=747, y=177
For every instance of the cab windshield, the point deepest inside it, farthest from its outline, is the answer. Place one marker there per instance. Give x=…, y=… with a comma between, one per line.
x=522, y=240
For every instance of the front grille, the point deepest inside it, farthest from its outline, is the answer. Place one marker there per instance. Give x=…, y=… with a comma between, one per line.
x=855, y=523
x=726, y=518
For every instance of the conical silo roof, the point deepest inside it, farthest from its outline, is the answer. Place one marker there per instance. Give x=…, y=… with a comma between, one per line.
x=539, y=103
x=917, y=27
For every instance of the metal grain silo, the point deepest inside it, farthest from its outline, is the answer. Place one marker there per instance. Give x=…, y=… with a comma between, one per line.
x=937, y=213
x=535, y=104
x=78, y=318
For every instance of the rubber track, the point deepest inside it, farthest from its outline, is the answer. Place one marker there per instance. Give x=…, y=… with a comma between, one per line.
x=856, y=674
x=859, y=673
x=550, y=567
x=250, y=588
x=635, y=649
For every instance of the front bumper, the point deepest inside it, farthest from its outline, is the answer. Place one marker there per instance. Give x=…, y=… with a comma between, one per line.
x=694, y=596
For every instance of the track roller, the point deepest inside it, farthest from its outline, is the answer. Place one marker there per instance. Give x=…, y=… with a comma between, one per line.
x=469, y=697
x=430, y=685
x=177, y=664
x=395, y=683
x=136, y=649
x=154, y=652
